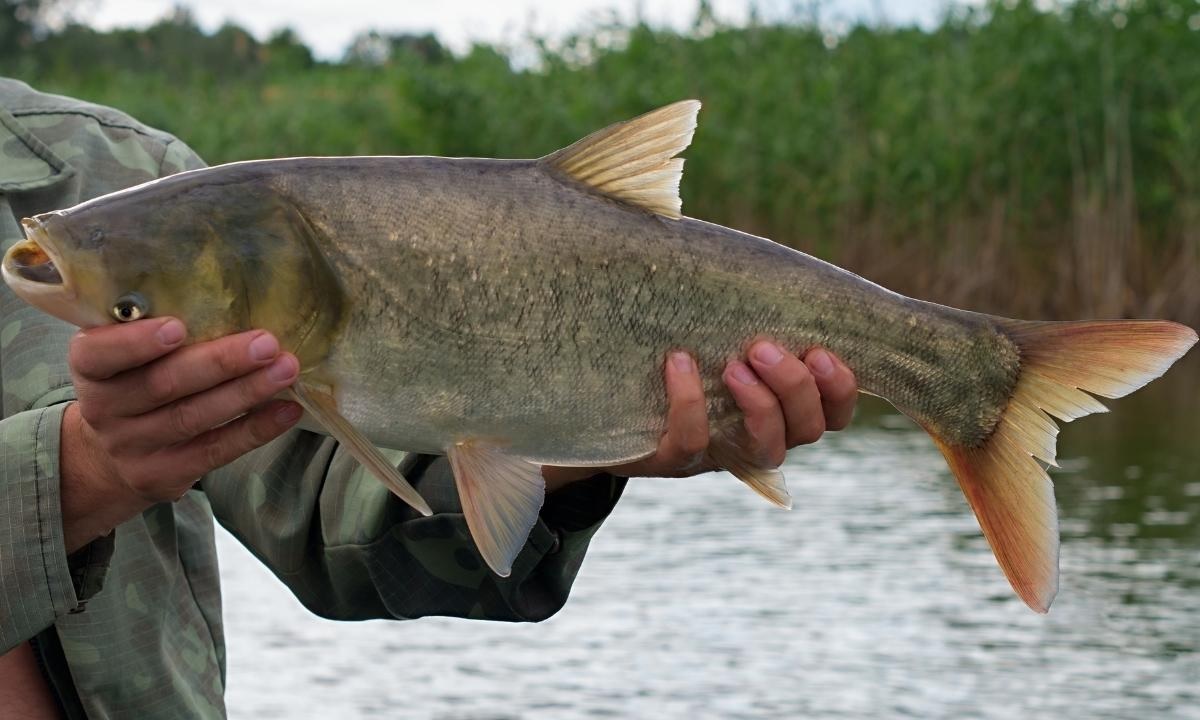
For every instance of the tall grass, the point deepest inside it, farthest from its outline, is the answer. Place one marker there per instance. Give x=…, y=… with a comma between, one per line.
x=1034, y=162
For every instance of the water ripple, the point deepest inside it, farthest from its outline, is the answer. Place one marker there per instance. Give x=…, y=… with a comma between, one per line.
x=876, y=597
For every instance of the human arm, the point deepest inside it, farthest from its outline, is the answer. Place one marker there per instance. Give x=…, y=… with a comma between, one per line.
x=140, y=433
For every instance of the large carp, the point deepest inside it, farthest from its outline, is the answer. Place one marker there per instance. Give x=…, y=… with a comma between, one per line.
x=511, y=313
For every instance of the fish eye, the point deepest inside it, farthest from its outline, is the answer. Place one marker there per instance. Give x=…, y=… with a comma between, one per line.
x=130, y=307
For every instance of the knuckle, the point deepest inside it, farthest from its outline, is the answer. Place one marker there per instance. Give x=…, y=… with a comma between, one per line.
x=810, y=431
x=214, y=452
x=839, y=423
x=692, y=444
x=250, y=391
x=760, y=404
x=79, y=358
x=185, y=420
x=160, y=384
x=228, y=360
x=260, y=433
x=776, y=456
x=846, y=391
x=139, y=481
x=800, y=381
x=690, y=398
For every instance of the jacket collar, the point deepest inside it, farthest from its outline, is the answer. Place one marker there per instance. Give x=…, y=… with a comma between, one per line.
x=28, y=164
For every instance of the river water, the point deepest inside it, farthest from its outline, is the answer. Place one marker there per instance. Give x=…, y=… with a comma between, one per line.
x=876, y=597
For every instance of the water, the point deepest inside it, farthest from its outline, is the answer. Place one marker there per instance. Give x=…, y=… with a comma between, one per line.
x=875, y=598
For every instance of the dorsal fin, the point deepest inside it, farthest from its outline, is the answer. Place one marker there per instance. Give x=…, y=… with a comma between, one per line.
x=635, y=161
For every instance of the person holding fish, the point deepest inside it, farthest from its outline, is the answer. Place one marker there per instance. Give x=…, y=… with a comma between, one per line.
x=123, y=442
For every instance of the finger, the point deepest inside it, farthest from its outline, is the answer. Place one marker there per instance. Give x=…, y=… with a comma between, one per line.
x=100, y=353
x=683, y=445
x=191, y=370
x=764, y=417
x=796, y=389
x=197, y=414
x=221, y=446
x=836, y=383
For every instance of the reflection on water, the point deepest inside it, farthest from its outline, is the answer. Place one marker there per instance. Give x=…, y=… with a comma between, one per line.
x=875, y=598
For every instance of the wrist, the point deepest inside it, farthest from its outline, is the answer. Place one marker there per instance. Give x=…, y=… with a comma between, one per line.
x=94, y=498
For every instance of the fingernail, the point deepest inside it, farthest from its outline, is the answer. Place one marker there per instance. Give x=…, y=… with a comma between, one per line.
x=743, y=374
x=288, y=414
x=282, y=370
x=682, y=362
x=820, y=362
x=263, y=347
x=171, y=332
x=768, y=354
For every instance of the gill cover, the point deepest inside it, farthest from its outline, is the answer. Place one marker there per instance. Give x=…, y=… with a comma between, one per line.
x=288, y=286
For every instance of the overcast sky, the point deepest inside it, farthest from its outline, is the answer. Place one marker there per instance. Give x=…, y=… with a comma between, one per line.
x=328, y=25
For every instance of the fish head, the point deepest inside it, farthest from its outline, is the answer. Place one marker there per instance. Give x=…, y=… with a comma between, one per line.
x=116, y=262
x=221, y=259
x=36, y=271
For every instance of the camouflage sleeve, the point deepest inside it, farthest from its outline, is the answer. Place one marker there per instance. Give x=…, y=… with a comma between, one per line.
x=39, y=583
x=177, y=158
x=349, y=550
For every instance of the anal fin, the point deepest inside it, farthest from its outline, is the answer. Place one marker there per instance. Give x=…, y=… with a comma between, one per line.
x=322, y=406
x=501, y=496
x=729, y=451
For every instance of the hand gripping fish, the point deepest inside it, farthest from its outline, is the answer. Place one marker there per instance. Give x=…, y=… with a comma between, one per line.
x=512, y=313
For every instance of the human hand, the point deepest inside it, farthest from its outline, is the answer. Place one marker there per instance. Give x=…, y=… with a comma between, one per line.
x=153, y=415
x=786, y=402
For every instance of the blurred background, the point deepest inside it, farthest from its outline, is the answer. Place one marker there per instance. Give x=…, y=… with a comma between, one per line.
x=1035, y=159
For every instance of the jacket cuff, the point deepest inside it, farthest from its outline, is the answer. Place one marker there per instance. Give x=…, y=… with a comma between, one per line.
x=39, y=582
x=582, y=504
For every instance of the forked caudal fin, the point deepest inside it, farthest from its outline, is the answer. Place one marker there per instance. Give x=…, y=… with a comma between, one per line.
x=1005, y=484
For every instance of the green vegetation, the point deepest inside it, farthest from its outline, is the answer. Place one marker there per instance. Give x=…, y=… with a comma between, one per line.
x=1012, y=159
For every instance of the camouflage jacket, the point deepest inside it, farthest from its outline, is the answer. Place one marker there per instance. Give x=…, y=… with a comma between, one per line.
x=130, y=626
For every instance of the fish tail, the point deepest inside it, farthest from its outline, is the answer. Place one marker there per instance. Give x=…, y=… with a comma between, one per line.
x=1060, y=364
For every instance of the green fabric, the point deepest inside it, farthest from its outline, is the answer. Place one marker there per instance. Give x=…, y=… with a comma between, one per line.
x=138, y=614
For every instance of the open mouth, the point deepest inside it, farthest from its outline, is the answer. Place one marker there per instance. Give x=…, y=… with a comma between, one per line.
x=30, y=260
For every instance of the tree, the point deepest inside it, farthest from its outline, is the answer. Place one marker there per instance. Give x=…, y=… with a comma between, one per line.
x=22, y=22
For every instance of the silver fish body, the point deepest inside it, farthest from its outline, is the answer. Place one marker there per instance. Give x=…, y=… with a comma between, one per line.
x=496, y=299
x=512, y=313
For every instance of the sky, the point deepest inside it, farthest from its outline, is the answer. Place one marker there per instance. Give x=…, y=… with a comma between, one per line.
x=327, y=26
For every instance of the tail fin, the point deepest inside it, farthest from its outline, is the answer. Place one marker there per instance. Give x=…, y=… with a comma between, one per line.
x=1007, y=488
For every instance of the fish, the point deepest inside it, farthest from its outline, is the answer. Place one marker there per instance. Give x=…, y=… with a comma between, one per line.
x=517, y=313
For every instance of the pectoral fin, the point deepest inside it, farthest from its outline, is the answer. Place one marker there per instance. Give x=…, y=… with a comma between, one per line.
x=501, y=496
x=322, y=406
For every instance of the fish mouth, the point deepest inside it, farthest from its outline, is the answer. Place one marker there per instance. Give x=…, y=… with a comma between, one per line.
x=32, y=259
x=35, y=260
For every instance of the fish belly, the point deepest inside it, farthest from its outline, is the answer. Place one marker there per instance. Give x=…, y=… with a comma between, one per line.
x=399, y=399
